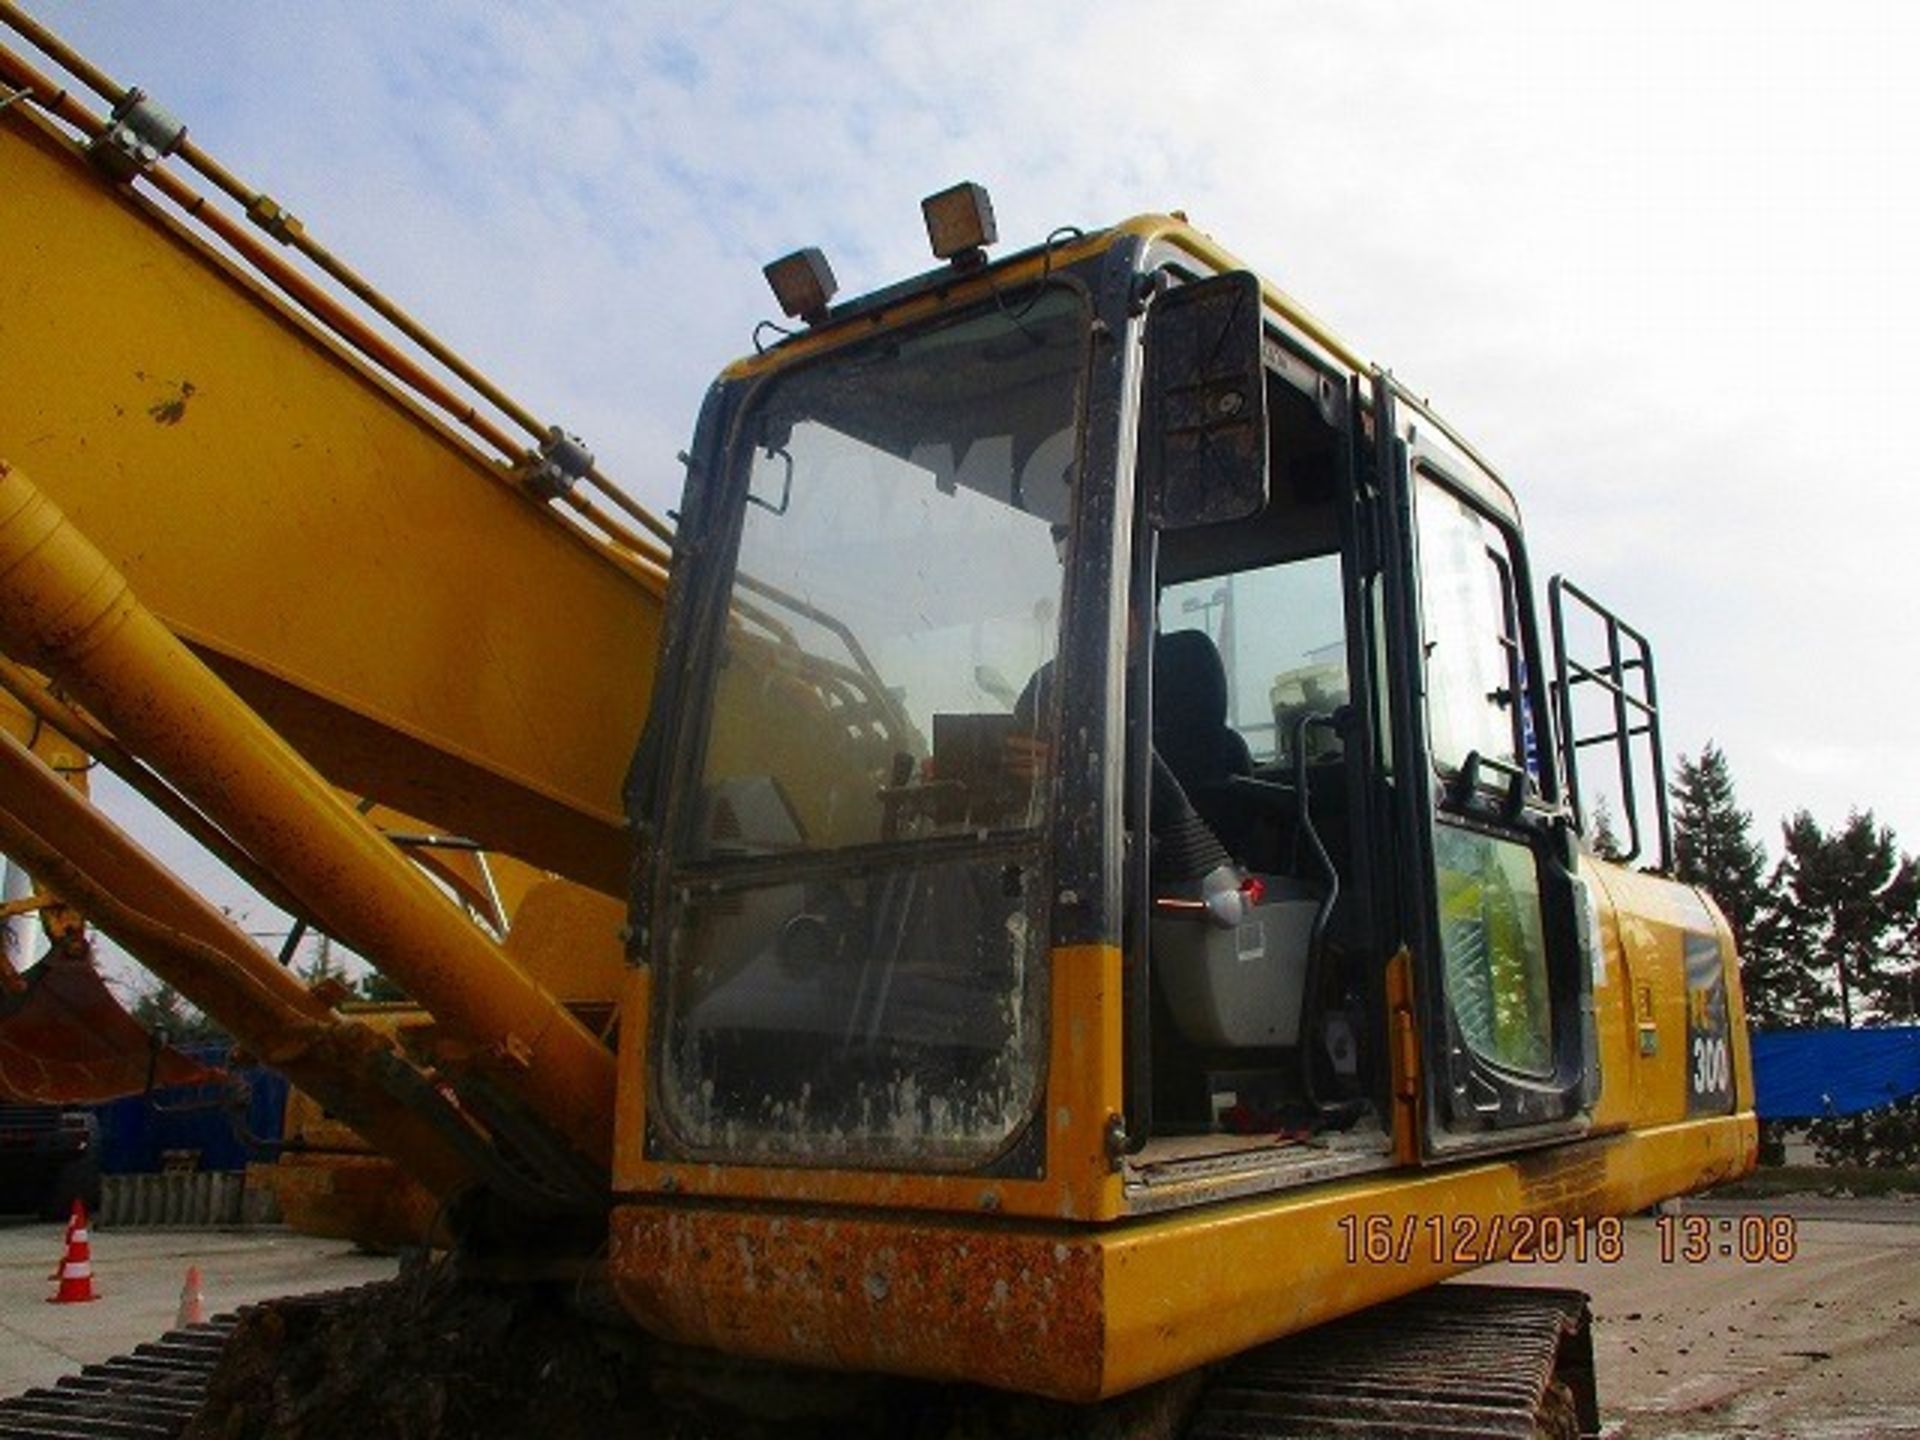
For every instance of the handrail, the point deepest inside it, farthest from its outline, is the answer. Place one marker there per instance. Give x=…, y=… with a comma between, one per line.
x=843, y=632
x=1611, y=678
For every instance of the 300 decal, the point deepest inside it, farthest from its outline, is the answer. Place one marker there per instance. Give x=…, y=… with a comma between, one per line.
x=1712, y=1069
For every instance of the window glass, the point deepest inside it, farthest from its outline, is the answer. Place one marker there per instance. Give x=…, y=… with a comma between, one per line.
x=1281, y=633
x=882, y=680
x=898, y=590
x=1468, y=628
x=866, y=1019
x=1493, y=947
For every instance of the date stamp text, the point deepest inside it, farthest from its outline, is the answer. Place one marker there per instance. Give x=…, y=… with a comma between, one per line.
x=1685, y=1239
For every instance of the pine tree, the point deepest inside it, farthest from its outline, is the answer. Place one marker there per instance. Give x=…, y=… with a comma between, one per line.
x=1606, y=844
x=1714, y=848
x=1907, y=1010
x=164, y=1011
x=1713, y=842
x=1843, y=906
x=1834, y=943
x=1777, y=971
x=322, y=966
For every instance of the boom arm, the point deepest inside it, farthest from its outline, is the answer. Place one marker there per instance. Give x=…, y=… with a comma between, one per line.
x=419, y=627
x=420, y=622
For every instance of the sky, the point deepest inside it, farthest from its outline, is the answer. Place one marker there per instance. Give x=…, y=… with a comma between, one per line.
x=1652, y=259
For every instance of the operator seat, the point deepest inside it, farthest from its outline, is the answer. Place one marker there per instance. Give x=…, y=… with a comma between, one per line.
x=1191, y=734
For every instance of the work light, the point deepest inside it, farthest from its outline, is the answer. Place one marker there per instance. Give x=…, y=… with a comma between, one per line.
x=803, y=283
x=960, y=223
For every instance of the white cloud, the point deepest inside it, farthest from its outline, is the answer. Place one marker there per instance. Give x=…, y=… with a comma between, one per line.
x=1817, y=761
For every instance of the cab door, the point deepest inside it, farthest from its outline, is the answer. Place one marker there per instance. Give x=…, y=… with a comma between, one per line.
x=1493, y=909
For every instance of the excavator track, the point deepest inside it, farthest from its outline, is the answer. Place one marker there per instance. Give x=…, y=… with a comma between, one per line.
x=1450, y=1361
x=149, y=1393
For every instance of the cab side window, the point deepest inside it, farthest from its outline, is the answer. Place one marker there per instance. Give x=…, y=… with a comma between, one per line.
x=1476, y=672
x=1493, y=941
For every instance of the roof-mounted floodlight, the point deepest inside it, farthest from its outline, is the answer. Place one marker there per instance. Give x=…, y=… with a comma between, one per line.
x=960, y=224
x=803, y=283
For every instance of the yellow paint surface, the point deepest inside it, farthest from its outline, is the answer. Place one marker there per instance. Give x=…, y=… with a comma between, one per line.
x=391, y=603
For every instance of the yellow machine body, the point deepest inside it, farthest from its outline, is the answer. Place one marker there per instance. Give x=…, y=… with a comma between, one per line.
x=275, y=577
x=795, y=1265
x=1085, y=1282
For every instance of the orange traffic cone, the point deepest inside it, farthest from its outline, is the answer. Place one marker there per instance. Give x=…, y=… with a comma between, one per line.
x=76, y=1266
x=193, y=1301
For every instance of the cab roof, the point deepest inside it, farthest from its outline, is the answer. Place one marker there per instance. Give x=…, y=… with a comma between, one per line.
x=934, y=290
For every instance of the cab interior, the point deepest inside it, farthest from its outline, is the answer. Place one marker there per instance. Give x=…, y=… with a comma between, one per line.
x=1262, y=1033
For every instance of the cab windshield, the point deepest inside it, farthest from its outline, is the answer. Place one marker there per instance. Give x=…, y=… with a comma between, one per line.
x=836, y=990
x=898, y=588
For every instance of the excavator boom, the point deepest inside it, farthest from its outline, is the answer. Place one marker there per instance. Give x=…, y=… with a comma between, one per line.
x=259, y=508
x=382, y=591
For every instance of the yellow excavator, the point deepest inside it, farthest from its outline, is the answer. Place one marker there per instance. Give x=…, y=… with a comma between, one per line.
x=1062, y=869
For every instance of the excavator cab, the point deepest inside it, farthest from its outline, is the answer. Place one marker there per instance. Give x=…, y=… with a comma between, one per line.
x=1109, y=610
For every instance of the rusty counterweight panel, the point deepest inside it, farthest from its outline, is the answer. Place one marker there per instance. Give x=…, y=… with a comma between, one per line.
x=1084, y=1312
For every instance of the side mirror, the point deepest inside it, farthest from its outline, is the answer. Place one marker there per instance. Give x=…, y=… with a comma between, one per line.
x=1204, y=446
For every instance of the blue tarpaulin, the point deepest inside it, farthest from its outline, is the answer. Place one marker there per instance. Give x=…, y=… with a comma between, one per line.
x=136, y=1132
x=1805, y=1074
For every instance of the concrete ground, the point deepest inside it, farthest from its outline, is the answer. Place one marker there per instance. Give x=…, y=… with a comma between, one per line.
x=138, y=1274
x=1823, y=1347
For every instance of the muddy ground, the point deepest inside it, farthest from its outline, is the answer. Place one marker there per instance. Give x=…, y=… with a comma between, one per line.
x=1823, y=1347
